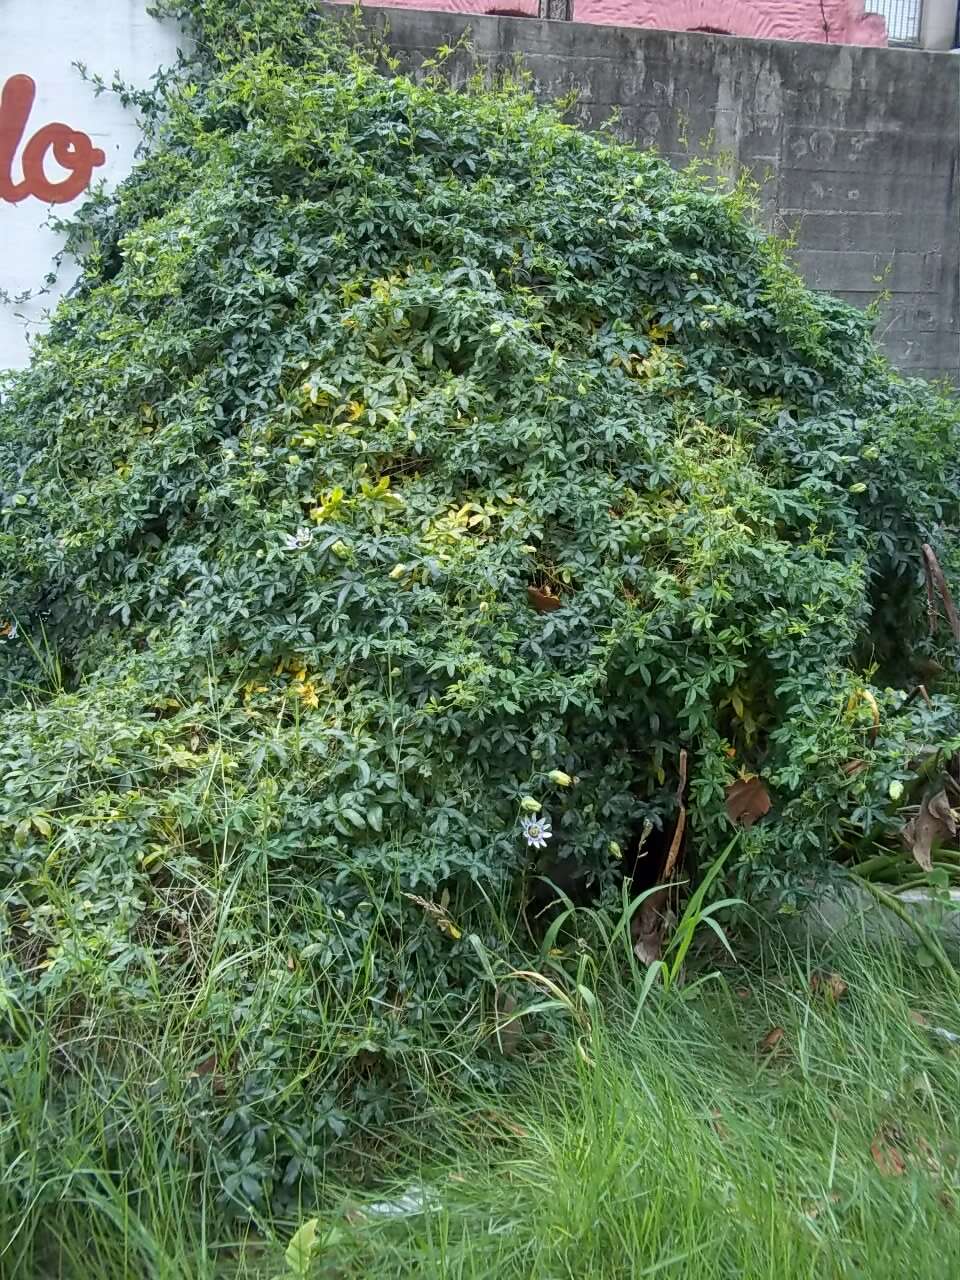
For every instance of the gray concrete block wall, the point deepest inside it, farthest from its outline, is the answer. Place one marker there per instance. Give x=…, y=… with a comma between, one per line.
x=856, y=148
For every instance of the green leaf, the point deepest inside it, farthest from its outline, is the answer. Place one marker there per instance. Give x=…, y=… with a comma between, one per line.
x=299, y=1252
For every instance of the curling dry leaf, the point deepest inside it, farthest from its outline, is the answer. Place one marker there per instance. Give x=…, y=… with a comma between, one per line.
x=933, y=824
x=747, y=800
x=772, y=1041
x=854, y=767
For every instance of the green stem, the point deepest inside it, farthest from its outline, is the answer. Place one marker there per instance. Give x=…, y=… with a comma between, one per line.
x=926, y=936
x=880, y=862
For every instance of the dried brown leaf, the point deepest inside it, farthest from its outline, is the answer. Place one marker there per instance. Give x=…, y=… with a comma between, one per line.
x=933, y=824
x=544, y=601
x=747, y=801
x=772, y=1040
x=854, y=767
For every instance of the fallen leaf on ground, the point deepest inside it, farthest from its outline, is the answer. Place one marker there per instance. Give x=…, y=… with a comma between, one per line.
x=887, y=1157
x=828, y=984
x=934, y=823
x=771, y=1040
x=747, y=801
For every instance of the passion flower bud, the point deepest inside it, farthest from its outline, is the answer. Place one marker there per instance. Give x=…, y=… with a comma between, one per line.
x=560, y=778
x=529, y=805
x=398, y=571
x=340, y=549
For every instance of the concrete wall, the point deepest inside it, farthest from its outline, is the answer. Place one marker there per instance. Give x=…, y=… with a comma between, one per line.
x=818, y=21
x=857, y=149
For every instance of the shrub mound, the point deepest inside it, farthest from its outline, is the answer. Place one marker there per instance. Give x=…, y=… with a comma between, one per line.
x=405, y=453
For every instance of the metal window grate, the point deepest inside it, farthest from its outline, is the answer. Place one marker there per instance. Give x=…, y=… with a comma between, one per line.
x=903, y=18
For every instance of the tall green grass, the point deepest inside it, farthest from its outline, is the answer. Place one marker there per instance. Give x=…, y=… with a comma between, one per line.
x=676, y=1139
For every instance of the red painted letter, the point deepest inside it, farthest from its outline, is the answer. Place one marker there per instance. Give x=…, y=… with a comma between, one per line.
x=71, y=150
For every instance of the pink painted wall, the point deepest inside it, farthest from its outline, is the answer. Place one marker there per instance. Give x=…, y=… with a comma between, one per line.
x=833, y=21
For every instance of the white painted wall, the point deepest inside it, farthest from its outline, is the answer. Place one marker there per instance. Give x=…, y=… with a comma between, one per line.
x=41, y=39
x=939, y=24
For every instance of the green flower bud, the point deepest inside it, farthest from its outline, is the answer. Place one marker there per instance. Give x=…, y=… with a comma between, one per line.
x=529, y=805
x=560, y=778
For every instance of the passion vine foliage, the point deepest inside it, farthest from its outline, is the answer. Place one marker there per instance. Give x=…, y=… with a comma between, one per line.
x=399, y=449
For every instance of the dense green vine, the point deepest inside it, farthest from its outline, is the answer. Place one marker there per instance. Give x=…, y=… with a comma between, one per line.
x=400, y=449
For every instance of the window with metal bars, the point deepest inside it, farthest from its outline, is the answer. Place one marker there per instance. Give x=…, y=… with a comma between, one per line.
x=903, y=19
